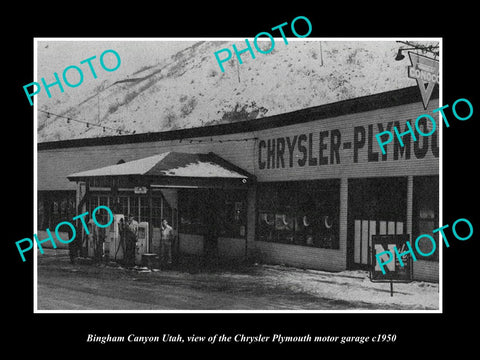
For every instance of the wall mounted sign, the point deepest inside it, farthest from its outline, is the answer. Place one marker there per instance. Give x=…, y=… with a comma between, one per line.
x=140, y=190
x=425, y=71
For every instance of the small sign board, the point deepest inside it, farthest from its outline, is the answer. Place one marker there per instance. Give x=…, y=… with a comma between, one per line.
x=140, y=189
x=394, y=272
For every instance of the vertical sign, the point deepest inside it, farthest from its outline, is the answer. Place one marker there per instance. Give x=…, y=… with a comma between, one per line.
x=425, y=71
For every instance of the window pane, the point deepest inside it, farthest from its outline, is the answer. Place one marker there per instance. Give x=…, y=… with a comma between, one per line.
x=40, y=214
x=357, y=240
x=426, y=214
x=189, y=204
x=301, y=213
x=233, y=214
x=133, y=211
x=229, y=207
x=144, y=210
x=156, y=211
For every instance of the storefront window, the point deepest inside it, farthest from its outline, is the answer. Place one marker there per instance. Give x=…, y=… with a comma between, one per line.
x=230, y=211
x=234, y=220
x=103, y=200
x=123, y=202
x=41, y=215
x=54, y=207
x=92, y=203
x=156, y=212
x=300, y=213
x=144, y=209
x=425, y=213
x=134, y=206
x=189, y=208
x=138, y=206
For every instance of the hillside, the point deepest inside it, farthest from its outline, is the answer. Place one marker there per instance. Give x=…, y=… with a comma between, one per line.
x=189, y=89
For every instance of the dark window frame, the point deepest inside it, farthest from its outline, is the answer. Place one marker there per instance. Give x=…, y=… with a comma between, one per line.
x=232, y=216
x=307, y=214
x=54, y=207
x=426, y=209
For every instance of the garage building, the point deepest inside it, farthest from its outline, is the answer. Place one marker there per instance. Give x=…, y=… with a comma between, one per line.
x=306, y=188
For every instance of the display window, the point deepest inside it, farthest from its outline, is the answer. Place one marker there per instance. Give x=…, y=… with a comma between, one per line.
x=54, y=207
x=230, y=212
x=426, y=214
x=301, y=213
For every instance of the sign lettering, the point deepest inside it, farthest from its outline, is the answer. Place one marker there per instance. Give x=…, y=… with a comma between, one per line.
x=332, y=147
x=425, y=71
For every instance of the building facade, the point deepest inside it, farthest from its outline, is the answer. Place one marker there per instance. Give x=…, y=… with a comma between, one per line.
x=315, y=183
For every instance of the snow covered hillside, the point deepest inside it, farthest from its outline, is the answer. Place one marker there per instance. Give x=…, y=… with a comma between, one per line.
x=188, y=89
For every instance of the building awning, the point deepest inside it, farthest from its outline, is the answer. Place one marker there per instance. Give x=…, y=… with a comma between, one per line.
x=174, y=169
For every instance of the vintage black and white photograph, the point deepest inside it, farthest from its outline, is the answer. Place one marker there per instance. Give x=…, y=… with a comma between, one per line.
x=268, y=174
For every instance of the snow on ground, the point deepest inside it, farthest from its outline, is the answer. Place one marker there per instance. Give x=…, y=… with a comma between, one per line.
x=355, y=286
x=352, y=288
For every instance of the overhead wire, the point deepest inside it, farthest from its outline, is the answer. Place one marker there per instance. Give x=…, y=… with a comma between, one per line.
x=87, y=123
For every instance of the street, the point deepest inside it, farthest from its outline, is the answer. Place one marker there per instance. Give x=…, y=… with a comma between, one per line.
x=90, y=286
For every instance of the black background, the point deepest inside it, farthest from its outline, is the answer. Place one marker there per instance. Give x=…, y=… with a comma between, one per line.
x=61, y=335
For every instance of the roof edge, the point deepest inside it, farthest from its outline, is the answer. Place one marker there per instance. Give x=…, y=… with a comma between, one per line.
x=350, y=106
x=206, y=157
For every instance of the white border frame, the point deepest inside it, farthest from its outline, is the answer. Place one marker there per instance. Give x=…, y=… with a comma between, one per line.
x=35, y=200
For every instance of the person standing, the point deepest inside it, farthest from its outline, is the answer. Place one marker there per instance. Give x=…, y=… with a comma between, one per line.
x=99, y=244
x=167, y=239
x=131, y=240
x=73, y=246
x=122, y=233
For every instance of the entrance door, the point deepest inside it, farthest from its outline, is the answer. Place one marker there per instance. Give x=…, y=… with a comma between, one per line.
x=375, y=207
x=211, y=220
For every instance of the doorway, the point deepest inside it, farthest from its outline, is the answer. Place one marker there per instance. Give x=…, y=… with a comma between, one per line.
x=212, y=205
x=376, y=206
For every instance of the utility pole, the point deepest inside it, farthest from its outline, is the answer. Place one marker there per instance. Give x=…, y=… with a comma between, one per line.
x=321, y=54
x=98, y=108
x=238, y=70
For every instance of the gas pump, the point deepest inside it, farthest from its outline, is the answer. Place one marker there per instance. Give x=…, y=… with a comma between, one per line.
x=142, y=242
x=91, y=237
x=114, y=245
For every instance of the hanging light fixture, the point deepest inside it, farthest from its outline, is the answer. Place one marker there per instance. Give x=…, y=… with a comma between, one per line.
x=423, y=48
x=399, y=56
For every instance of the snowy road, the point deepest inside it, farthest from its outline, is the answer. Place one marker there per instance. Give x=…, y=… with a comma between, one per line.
x=62, y=286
